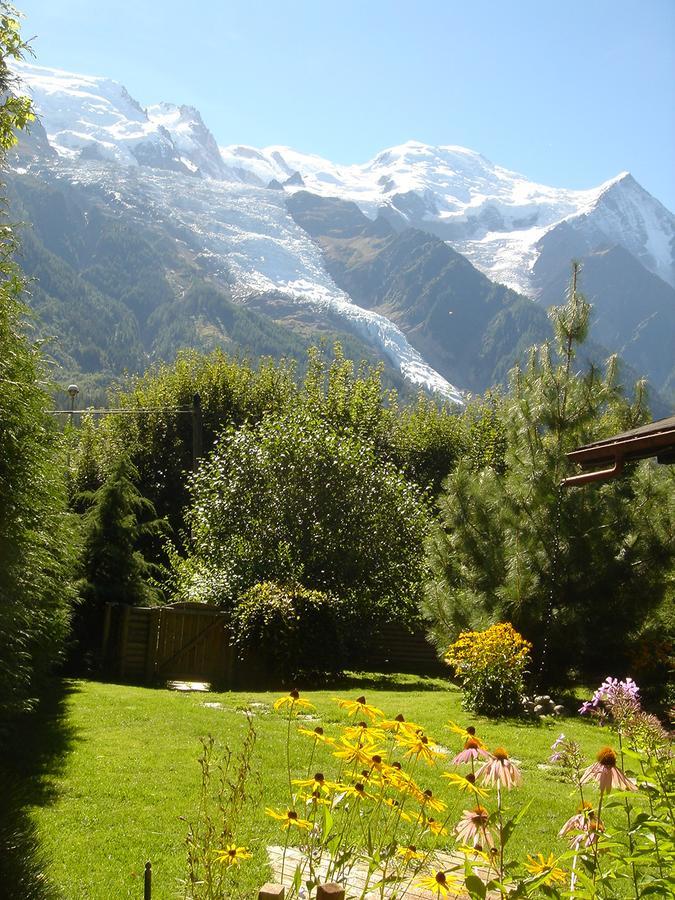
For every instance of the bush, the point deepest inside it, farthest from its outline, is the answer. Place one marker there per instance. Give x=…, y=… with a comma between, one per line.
x=491, y=668
x=293, y=629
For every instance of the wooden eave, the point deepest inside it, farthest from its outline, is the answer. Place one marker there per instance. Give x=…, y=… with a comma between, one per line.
x=656, y=439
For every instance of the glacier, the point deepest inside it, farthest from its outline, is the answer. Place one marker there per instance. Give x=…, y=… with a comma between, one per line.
x=163, y=160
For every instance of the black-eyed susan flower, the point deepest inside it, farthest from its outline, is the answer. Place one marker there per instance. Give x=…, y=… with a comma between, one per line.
x=232, y=855
x=465, y=783
x=396, y=806
x=409, y=853
x=441, y=884
x=317, y=734
x=500, y=769
x=357, y=790
x=420, y=747
x=293, y=701
x=546, y=868
x=361, y=732
x=318, y=783
x=435, y=827
x=360, y=707
x=290, y=819
x=399, y=725
x=606, y=772
x=315, y=799
x=354, y=752
x=428, y=801
x=468, y=733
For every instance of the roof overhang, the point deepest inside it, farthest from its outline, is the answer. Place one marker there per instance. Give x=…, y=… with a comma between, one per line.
x=654, y=440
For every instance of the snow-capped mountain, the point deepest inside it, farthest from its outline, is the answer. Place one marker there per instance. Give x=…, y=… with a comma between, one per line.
x=163, y=164
x=498, y=219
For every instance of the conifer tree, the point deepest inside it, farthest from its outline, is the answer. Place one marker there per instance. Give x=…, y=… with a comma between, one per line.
x=35, y=530
x=114, y=569
x=576, y=570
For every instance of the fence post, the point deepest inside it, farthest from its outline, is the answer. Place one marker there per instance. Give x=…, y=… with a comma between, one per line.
x=151, y=649
x=147, y=882
x=125, y=636
x=197, y=431
x=330, y=891
x=272, y=892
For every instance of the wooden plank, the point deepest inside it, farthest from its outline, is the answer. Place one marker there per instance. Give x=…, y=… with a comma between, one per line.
x=356, y=879
x=123, y=642
x=151, y=650
x=179, y=654
x=272, y=892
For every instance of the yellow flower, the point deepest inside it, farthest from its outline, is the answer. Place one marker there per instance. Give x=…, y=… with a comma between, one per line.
x=357, y=790
x=290, y=819
x=441, y=884
x=396, y=806
x=420, y=746
x=354, y=752
x=232, y=855
x=465, y=783
x=360, y=707
x=318, y=783
x=361, y=732
x=546, y=867
x=427, y=800
x=435, y=827
x=400, y=726
x=409, y=853
x=294, y=701
x=466, y=733
x=318, y=735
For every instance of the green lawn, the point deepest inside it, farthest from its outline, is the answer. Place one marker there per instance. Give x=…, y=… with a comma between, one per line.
x=129, y=774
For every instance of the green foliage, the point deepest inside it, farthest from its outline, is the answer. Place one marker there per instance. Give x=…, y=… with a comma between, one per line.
x=292, y=629
x=158, y=437
x=491, y=667
x=292, y=498
x=114, y=569
x=576, y=570
x=35, y=531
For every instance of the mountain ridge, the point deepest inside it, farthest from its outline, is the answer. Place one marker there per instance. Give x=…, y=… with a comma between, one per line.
x=161, y=166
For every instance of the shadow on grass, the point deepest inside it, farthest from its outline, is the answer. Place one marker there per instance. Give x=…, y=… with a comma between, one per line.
x=383, y=681
x=34, y=753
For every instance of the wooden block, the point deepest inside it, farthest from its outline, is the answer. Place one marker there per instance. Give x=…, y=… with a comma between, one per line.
x=272, y=892
x=330, y=891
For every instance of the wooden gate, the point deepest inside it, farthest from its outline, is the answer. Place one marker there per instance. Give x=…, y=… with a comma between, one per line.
x=187, y=642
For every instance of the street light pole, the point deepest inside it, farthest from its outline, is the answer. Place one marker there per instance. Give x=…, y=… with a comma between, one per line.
x=73, y=391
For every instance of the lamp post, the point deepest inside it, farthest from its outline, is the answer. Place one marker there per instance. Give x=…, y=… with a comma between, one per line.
x=73, y=391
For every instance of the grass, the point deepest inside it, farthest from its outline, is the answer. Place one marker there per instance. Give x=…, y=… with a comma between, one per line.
x=128, y=778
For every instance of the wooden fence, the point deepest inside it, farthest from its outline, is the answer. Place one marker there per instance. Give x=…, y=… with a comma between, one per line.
x=191, y=642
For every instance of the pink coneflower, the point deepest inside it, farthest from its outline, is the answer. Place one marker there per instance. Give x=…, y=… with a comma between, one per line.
x=500, y=770
x=472, y=828
x=606, y=773
x=471, y=752
x=586, y=825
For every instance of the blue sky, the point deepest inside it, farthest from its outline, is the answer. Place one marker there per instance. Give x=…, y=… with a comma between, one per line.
x=568, y=93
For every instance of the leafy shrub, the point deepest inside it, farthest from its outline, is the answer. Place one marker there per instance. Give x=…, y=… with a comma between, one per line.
x=293, y=629
x=491, y=667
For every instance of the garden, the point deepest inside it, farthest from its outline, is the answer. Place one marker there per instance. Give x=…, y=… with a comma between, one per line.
x=306, y=512
x=204, y=784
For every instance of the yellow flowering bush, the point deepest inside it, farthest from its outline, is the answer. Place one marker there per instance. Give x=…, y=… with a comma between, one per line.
x=491, y=667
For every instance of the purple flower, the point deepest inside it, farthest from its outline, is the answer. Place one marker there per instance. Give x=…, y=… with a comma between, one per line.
x=612, y=696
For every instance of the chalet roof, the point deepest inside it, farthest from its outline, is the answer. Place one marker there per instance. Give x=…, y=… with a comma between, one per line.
x=655, y=439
